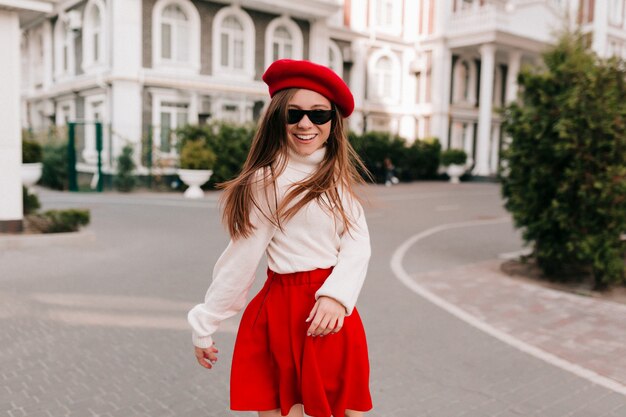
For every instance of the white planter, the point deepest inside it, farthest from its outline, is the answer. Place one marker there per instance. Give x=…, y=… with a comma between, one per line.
x=31, y=173
x=194, y=178
x=454, y=171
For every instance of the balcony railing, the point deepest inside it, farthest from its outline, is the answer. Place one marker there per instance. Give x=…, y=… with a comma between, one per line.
x=474, y=20
x=298, y=8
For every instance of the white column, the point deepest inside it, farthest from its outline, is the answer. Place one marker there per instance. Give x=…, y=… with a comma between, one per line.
x=407, y=96
x=48, y=48
x=126, y=64
x=495, y=147
x=357, y=83
x=10, y=136
x=487, y=67
x=515, y=58
x=319, y=39
x=440, y=95
x=468, y=143
x=600, y=28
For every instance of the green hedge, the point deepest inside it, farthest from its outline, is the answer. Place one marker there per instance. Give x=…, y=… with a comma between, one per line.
x=54, y=172
x=231, y=144
x=31, y=151
x=565, y=184
x=60, y=221
x=453, y=156
x=124, y=180
x=418, y=160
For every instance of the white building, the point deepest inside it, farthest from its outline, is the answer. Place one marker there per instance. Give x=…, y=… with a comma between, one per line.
x=419, y=68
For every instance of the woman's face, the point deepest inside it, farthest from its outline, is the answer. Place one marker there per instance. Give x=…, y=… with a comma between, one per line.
x=305, y=136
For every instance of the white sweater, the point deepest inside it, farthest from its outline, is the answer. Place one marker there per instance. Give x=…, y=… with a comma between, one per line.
x=311, y=239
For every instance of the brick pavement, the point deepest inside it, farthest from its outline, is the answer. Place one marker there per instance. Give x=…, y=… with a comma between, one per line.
x=585, y=331
x=99, y=329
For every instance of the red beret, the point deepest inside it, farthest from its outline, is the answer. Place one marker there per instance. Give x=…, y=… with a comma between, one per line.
x=289, y=73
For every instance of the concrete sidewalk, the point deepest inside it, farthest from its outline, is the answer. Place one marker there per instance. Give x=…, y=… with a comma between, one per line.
x=581, y=333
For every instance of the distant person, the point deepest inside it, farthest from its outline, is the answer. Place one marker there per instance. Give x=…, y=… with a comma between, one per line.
x=390, y=173
x=300, y=339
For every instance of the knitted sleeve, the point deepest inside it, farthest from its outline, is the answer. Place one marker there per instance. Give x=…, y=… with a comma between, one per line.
x=233, y=275
x=345, y=281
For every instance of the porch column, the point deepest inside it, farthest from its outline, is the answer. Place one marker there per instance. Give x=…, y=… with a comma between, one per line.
x=487, y=67
x=357, y=83
x=515, y=58
x=441, y=71
x=126, y=86
x=10, y=134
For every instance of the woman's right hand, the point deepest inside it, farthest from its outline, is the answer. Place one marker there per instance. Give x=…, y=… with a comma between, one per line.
x=202, y=354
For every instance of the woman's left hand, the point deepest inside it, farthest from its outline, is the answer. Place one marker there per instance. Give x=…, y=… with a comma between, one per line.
x=327, y=315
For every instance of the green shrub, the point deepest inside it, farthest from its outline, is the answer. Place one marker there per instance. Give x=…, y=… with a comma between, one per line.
x=60, y=221
x=196, y=155
x=124, y=180
x=453, y=156
x=418, y=160
x=421, y=160
x=54, y=172
x=230, y=143
x=565, y=181
x=31, y=152
x=30, y=202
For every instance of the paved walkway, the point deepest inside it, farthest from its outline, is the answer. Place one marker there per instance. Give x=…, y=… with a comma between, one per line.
x=584, y=331
x=98, y=328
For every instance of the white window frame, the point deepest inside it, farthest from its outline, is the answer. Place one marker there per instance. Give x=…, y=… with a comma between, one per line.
x=247, y=74
x=192, y=65
x=158, y=98
x=616, y=12
x=37, y=54
x=296, y=38
x=333, y=48
x=63, y=37
x=70, y=104
x=373, y=77
x=395, y=27
x=89, y=30
x=90, y=152
x=457, y=95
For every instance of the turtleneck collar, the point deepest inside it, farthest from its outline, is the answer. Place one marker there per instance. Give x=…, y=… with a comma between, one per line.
x=306, y=163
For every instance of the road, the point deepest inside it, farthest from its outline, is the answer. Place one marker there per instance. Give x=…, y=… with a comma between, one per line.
x=98, y=327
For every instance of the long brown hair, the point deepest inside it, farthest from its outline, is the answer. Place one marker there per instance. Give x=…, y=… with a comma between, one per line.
x=267, y=160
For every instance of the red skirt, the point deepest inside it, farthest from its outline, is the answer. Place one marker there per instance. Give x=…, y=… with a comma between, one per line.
x=276, y=365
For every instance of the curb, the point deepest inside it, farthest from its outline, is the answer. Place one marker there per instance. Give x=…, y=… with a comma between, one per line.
x=45, y=239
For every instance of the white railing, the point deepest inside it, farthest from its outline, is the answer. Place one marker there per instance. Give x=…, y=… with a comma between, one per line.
x=486, y=18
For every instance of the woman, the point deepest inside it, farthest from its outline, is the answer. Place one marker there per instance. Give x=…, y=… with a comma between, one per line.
x=301, y=343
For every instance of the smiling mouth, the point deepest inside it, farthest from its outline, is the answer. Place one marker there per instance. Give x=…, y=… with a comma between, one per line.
x=305, y=138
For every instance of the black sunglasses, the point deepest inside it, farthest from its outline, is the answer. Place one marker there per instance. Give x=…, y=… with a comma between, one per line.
x=319, y=117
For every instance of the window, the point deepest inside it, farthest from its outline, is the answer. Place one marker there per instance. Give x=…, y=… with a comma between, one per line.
x=176, y=36
x=282, y=46
x=172, y=116
x=64, y=49
x=232, y=39
x=93, y=37
x=616, y=12
x=283, y=40
x=383, y=78
x=335, y=59
x=385, y=13
x=233, y=43
x=464, y=80
x=65, y=112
